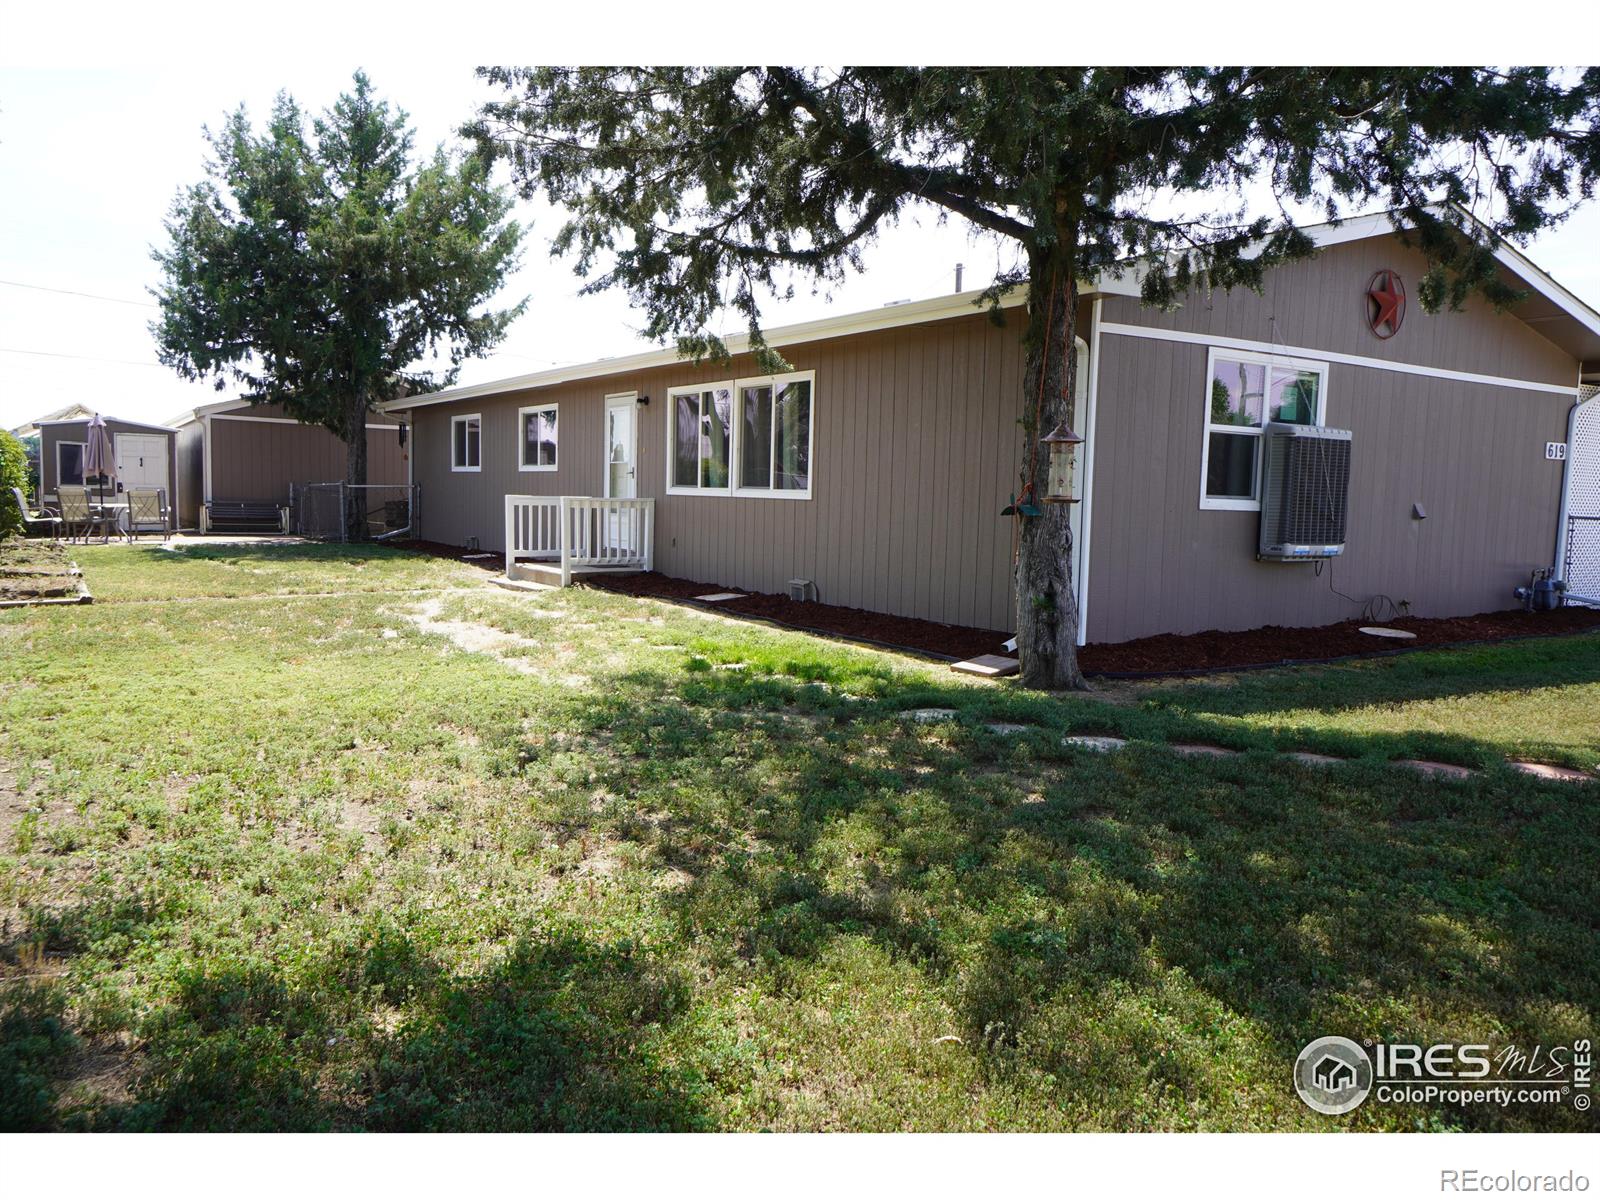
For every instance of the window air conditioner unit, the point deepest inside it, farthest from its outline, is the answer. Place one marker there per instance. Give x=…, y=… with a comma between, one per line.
x=1305, y=490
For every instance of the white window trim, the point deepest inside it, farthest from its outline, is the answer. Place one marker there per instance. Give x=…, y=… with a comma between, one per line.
x=1231, y=504
x=83, y=453
x=522, y=438
x=736, y=433
x=462, y=419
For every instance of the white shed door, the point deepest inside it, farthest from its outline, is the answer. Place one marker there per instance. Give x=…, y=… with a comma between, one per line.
x=141, y=460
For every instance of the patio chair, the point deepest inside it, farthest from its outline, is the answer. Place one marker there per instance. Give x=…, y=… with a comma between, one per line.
x=78, y=512
x=147, y=512
x=47, y=517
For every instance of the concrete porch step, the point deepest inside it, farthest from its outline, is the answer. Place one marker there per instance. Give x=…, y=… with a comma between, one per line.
x=549, y=574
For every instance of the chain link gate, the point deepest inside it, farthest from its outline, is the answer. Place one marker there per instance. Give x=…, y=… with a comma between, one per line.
x=330, y=511
x=1580, y=566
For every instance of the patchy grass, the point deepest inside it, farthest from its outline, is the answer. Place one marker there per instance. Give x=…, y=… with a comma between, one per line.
x=423, y=854
x=35, y=570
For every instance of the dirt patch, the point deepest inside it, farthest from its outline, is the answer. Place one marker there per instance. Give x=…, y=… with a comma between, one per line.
x=475, y=638
x=102, y=1073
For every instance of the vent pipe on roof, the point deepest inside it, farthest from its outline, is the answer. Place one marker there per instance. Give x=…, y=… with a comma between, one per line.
x=958, y=278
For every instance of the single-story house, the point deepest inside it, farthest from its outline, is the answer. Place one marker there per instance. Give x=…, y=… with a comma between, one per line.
x=877, y=468
x=236, y=452
x=144, y=454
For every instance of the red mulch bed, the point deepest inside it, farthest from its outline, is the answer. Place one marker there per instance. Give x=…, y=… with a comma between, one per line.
x=944, y=641
x=485, y=560
x=1218, y=651
x=1164, y=654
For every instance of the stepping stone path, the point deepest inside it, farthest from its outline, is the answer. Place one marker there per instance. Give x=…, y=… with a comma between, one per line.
x=1006, y=728
x=1546, y=771
x=1436, y=770
x=1102, y=745
x=990, y=666
x=925, y=716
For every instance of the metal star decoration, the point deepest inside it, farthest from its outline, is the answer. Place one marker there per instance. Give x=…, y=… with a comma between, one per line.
x=1386, y=304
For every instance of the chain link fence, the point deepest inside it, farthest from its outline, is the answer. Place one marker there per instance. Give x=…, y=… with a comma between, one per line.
x=1582, y=567
x=343, y=512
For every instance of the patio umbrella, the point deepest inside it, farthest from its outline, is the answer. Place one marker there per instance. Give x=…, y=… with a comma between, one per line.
x=98, y=457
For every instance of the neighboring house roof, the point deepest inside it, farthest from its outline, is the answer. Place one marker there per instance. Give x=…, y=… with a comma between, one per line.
x=1551, y=309
x=69, y=413
x=75, y=413
x=220, y=406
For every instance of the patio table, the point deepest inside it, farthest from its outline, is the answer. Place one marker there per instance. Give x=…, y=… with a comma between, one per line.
x=116, y=510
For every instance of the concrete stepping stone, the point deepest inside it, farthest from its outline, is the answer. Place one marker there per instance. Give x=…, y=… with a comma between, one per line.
x=990, y=666
x=925, y=716
x=1546, y=771
x=1101, y=745
x=1312, y=759
x=718, y=597
x=1006, y=728
x=1437, y=770
x=1201, y=750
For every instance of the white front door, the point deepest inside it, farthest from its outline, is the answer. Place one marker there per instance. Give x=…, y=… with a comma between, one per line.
x=141, y=460
x=622, y=447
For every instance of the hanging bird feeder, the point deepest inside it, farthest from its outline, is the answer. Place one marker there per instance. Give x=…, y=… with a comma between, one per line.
x=1061, y=486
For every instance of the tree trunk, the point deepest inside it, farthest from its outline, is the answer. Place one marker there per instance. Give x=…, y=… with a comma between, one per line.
x=355, y=471
x=1047, y=605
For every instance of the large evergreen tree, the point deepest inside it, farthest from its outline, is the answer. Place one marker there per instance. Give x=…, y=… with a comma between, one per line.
x=691, y=187
x=316, y=271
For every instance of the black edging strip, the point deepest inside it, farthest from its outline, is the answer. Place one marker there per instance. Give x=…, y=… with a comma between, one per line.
x=1193, y=672
x=1185, y=673
x=870, y=643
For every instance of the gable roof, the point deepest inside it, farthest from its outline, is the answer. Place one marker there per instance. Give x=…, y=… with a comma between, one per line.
x=74, y=413
x=70, y=413
x=1553, y=311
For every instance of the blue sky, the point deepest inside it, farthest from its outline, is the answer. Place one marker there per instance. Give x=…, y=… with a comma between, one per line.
x=90, y=159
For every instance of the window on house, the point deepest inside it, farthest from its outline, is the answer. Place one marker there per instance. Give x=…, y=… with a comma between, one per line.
x=702, y=419
x=69, y=463
x=775, y=435
x=1243, y=393
x=538, y=437
x=466, y=443
x=746, y=437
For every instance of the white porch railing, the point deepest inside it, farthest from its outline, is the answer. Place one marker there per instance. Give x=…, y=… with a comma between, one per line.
x=580, y=531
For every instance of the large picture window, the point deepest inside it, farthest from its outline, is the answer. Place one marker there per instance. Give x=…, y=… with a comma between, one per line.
x=745, y=437
x=69, y=463
x=466, y=443
x=1243, y=393
x=538, y=437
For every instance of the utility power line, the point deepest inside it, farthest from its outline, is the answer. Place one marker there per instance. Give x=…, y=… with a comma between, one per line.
x=39, y=287
x=125, y=362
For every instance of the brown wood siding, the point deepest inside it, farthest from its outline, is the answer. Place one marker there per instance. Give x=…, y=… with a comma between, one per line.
x=915, y=450
x=78, y=431
x=258, y=459
x=917, y=447
x=1471, y=454
x=1321, y=303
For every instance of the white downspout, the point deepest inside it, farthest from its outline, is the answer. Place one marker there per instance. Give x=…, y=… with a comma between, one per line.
x=1564, y=511
x=1085, y=517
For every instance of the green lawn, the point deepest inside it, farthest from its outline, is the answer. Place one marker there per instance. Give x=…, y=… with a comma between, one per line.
x=274, y=855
